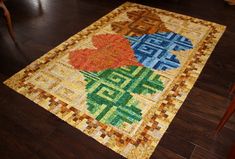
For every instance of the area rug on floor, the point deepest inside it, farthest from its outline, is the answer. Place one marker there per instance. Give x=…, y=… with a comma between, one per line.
x=122, y=79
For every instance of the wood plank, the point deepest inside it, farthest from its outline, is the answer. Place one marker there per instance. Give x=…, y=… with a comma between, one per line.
x=211, y=109
x=171, y=143
x=201, y=132
x=164, y=153
x=200, y=153
x=27, y=114
x=15, y=141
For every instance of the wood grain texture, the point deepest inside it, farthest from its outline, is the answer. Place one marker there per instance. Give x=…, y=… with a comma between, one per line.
x=28, y=131
x=200, y=153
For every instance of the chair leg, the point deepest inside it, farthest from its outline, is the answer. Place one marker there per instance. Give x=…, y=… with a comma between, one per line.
x=232, y=152
x=232, y=90
x=230, y=110
x=8, y=21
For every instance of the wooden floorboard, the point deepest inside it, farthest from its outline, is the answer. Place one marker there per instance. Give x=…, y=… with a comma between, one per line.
x=177, y=145
x=194, y=129
x=28, y=131
x=164, y=153
x=200, y=153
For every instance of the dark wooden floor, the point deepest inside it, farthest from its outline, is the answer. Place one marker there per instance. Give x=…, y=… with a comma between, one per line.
x=29, y=132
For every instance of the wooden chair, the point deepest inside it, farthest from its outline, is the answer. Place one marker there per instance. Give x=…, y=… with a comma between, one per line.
x=228, y=113
x=230, y=110
x=231, y=2
x=8, y=19
x=232, y=152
